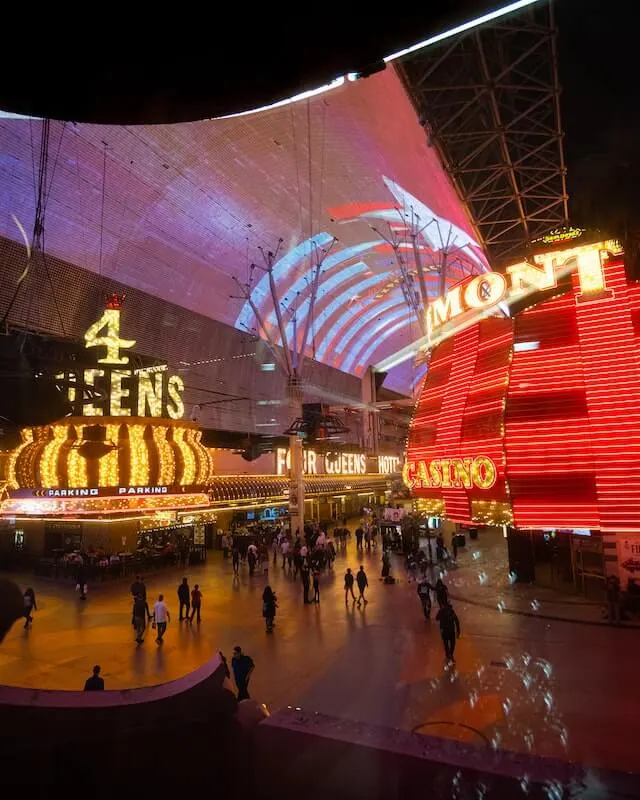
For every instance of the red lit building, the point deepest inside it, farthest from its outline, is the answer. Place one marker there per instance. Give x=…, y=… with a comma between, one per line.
x=532, y=422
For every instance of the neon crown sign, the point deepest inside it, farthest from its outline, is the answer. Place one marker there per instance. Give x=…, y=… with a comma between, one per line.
x=123, y=391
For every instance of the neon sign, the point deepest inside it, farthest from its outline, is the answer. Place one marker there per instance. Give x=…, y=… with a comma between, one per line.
x=124, y=392
x=486, y=291
x=450, y=473
x=334, y=463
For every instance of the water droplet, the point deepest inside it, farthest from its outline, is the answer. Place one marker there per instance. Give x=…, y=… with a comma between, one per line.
x=548, y=700
x=483, y=578
x=507, y=705
x=513, y=577
x=475, y=555
x=501, y=606
x=528, y=740
x=526, y=659
x=473, y=699
x=495, y=740
x=545, y=666
x=553, y=790
x=525, y=784
x=527, y=680
x=535, y=605
x=509, y=662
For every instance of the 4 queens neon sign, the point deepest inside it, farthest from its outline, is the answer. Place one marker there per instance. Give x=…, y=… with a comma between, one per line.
x=450, y=473
x=489, y=289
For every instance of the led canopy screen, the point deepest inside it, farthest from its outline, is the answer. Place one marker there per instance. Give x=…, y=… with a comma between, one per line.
x=179, y=211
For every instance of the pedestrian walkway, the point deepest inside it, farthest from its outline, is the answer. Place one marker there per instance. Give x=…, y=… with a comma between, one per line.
x=519, y=681
x=481, y=578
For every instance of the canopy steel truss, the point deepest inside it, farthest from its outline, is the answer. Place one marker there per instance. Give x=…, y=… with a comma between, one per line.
x=490, y=103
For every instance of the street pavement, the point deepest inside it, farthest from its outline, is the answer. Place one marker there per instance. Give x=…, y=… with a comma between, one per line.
x=521, y=681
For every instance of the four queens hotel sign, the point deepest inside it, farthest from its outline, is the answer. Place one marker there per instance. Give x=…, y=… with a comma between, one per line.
x=120, y=390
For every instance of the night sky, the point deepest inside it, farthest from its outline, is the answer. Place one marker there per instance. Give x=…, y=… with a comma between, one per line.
x=598, y=52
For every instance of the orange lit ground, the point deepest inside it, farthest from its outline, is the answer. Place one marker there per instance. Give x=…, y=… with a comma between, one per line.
x=382, y=665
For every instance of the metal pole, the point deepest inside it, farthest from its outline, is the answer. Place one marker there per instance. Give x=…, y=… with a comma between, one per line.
x=296, y=455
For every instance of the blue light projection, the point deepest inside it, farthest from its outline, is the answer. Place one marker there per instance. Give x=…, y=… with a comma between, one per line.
x=364, y=357
x=340, y=300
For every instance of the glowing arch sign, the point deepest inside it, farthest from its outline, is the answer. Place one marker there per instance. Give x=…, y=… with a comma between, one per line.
x=485, y=292
x=120, y=390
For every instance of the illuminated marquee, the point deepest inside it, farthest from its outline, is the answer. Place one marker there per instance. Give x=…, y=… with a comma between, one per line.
x=145, y=392
x=334, y=463
x=450, y=473
x=486, y=291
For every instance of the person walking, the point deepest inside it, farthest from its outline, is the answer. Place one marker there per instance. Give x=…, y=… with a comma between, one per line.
x=81, y=580
x=235, y=560
x=442, y=593
x=284, y=549
x=161, y=617
x=449, y=629
x=359, y=535
x=316, y=587
x=454, y=546
x=613, y=599
x=138, y=589
x=184, y=598
x=439, y=547
x=29, y=599
x=242, y=666
x=361, y=580
x=139, y=617
x=269, y=605
x=95, y=683
x=348, y=585
x=196, y=603
x=305, y=575
x=424, y=593
x=252, y=557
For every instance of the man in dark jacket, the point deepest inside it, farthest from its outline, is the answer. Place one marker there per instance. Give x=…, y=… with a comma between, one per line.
x=242, y=666
x=424, y=593
x=363, y=582
x=449, y=629
x=139, y=617
x=183, y=598
x=95, y=683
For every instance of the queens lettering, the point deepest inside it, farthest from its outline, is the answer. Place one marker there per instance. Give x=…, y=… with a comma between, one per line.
x=119, y=390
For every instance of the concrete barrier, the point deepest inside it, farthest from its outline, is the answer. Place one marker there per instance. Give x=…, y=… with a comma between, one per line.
x=93, y=743
x=337, y=758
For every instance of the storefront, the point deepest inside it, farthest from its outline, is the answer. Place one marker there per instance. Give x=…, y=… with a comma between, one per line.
x=127, y=476
x=528, y=422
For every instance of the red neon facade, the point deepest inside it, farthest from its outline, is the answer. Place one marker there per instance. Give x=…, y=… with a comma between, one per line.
x=552, y=397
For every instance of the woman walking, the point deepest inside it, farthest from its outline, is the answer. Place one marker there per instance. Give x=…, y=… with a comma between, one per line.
x=29, y=606
x=269, y=605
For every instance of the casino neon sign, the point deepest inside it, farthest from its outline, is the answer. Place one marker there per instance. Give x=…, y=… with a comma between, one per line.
x=490, y=289
x=450, y=473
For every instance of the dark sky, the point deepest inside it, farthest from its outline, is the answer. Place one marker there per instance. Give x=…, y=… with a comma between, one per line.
x=598, y=53
x=598, y=47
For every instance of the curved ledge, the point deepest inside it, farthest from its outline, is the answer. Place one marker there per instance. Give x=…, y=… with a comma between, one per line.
x=65, y=699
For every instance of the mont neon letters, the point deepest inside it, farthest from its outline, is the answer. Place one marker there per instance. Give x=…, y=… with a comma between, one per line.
x=491, y=288
x=450, y=473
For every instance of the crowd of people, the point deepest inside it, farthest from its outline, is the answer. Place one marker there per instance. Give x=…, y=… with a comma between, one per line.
x=303, y=556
